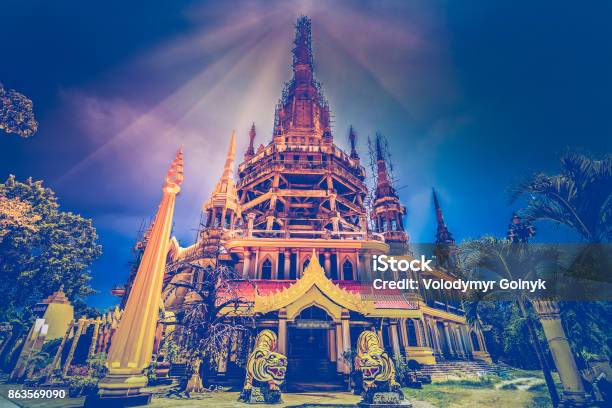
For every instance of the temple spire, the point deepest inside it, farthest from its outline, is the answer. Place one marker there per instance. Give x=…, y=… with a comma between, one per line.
x=388, y=213
x=353, y=141
x=228, y=170
x=383, y=184
x=443, y=235
x=251, y=149
x=132, y=344
x=302, y=45
x=222, y=207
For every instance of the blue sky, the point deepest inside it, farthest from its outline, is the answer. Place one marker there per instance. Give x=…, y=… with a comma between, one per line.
x=472, y=96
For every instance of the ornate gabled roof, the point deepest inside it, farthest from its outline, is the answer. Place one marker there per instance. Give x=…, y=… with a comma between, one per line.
x=313, y=276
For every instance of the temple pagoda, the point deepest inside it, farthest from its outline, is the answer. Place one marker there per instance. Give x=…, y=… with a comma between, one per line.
x=293, y=220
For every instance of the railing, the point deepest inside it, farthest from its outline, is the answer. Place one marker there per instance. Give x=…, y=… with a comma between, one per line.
x=351, y=235
x=280, y=165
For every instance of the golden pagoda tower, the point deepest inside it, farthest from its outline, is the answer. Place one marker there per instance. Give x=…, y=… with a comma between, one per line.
x=132, y=345
x=222, y=208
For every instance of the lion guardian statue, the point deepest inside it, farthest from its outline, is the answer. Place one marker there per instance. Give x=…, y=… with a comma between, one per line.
x=377, y=369
x=265, y=370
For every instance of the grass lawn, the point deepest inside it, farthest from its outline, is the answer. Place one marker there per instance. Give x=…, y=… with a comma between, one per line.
x=520, y=388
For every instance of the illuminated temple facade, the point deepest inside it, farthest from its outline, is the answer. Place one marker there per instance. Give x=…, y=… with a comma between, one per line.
x=293, y=220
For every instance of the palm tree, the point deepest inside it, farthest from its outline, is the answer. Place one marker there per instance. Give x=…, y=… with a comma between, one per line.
x=492, y=258
x=580, y=197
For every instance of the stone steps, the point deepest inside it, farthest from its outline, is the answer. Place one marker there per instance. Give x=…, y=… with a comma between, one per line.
x=470, y=369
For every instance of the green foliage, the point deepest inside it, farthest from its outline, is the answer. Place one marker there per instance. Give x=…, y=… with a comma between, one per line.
x=35, y=262
x=170, y=350
x=16, y=114
x=588, y=325
x=97, y=365
x=80, y=386
x=580, y=197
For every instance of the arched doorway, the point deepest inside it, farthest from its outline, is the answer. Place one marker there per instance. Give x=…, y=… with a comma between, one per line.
x=308, y=341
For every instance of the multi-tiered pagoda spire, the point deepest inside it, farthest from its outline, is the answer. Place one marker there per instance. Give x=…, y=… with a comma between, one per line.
x=388, y=213
x=443, y=235
x=250, y=152
x=222, y=208
x=353, y=140
x=445, y=248
x=302, y=114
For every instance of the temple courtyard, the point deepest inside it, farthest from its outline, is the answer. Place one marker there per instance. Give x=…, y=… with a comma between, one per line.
x=520, y=389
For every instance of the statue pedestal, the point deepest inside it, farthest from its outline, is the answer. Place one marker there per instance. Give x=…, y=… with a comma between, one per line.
x=120, y=390
x=384, y=399
x=259, y=395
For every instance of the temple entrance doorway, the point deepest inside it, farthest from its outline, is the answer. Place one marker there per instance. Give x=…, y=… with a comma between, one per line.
x=309, y=367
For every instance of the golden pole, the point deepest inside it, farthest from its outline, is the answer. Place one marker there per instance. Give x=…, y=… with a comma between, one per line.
x=132, y=344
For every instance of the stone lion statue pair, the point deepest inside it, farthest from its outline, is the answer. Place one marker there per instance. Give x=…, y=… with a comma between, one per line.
x=266, y=368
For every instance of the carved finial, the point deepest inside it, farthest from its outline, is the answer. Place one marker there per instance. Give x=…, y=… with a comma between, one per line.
x=228, y=169
x=352, y=140
x=251, y=149
x=174, y=177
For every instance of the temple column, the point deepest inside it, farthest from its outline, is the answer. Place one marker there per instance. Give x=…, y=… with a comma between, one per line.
x=332, y=345
x=466, y=340
x=339, y=344
x=404, y=335
x=449, y=343
x=327, y=263
x=425, y=333
x=417, y=331
x=358, y=266
x=436, y=332
x=461, y=342
x=573, y=389
x=246, y=264
x=287, y=264
x=394, y=338
x=132, y=344
x=346, y=338
x=275, y=266
x=282, y=331
x=256, y=266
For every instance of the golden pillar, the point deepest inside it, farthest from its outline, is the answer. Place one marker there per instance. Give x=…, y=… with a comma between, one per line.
x=339, y=344
x=132, y=344
x=346, y=339
x=394, y=337
x=573, y=389
x=331, y=341
x=282, y=331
